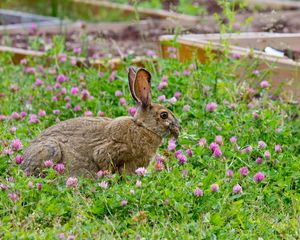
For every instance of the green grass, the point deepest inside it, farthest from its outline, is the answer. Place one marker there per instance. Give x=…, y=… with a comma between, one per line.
x=67, y=10
x=184, y=6
x=164, y=207
x=191, y=7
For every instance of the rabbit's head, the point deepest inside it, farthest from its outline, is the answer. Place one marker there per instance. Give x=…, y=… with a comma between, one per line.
x=154, y=117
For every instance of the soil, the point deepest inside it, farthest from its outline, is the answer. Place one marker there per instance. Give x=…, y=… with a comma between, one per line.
x=277, y=21
x=138, y=39
x=133, y=39
x=108, y=43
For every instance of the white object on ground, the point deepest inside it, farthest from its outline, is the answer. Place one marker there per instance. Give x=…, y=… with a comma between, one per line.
x=273, y=52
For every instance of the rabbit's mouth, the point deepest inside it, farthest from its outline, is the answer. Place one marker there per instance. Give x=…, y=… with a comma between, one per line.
x=174, y=129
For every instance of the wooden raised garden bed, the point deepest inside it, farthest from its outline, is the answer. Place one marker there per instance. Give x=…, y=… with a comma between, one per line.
x=275, y=4
x=211, y=7
x=18, y=54
x=104, y=10
x=10, y=20
x=105, y=44
x=94, y=10
x=126, y=9
x=285, y=19
x=284, y=71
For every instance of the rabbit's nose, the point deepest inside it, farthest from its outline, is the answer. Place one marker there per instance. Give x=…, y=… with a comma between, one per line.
x=177, y=124
x=175, y=128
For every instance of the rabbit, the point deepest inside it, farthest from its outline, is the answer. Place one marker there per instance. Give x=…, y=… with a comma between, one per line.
x=86, y=145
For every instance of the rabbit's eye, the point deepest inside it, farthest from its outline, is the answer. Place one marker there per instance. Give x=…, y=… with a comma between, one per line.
x=164, y=115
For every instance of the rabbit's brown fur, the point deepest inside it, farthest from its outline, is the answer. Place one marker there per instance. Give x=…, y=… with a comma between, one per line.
x=86, y=145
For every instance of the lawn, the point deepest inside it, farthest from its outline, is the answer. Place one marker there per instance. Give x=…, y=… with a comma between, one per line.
x=233, y=173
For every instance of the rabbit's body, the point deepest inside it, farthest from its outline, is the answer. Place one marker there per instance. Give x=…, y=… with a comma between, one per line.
x=86, y=145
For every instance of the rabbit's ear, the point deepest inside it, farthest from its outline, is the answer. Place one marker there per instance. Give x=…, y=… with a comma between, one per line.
x=142, y=86
x=131, y=79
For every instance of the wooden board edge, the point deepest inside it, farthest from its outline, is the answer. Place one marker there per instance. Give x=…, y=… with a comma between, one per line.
x=114, y=63
x=275, y=4
x=156, y=13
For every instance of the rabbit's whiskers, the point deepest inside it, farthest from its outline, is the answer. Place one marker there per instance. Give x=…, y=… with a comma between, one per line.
x=141, y=124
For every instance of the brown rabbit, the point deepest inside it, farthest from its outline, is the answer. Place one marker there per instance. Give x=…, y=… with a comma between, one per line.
x=86, y=145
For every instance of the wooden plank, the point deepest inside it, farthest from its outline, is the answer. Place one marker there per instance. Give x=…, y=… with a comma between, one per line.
x=19, y=54
x=25, y=27
x=23, y=17
x=242, y=51
x=143, y=12
x=16, y=20
x=42, y=28
x=275, y=4
x=284, y=71
x=256, y=40
x=114, y=63
x=67, y=27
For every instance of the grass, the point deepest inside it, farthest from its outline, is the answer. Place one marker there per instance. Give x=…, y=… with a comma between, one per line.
x=186, y=6
x=67, y=10
x=164, y=206
x=194, y=7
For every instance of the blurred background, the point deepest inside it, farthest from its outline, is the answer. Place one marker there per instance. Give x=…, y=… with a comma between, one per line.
x=112, y=28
